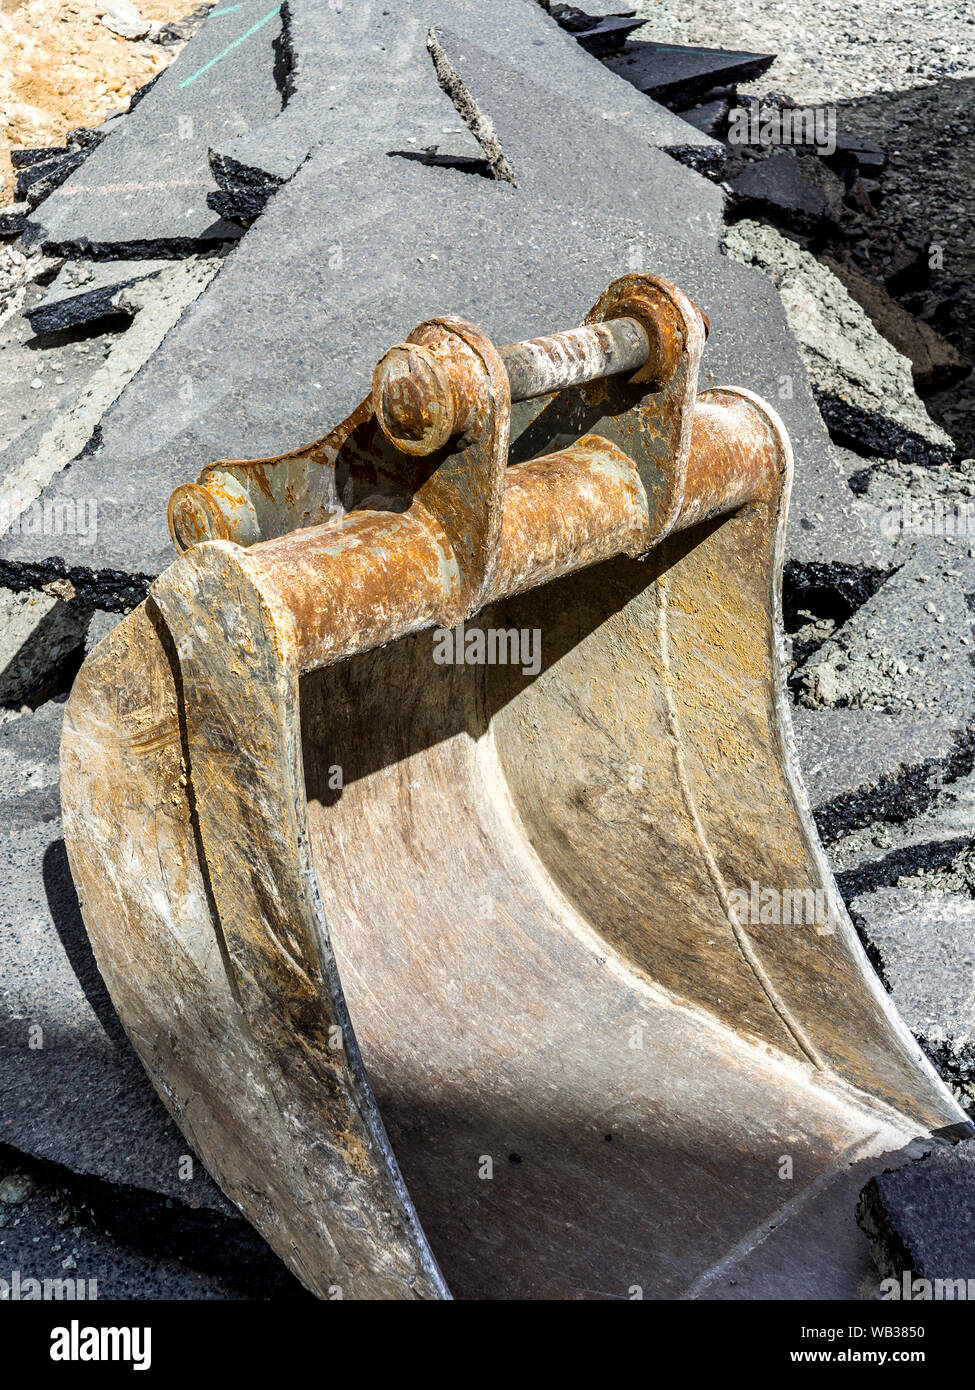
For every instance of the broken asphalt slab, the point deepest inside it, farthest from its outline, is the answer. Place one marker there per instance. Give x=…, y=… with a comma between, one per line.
x=589, y=10
x=926, y=841
x=41, y=170
x=604, y=36
x=350, y=256
x=142, y=190
x=775, y=187
x=859, y=764
x=710, y=117
x=909, y=647
x=925, y=945
x=358, y=80
x=36, y=181
x=935, y=363
x=920, y=1220
x=678, y=76
x=600, y=29
x=13, y=219
x=86, y=291
x=41, y=381
x=73, y=430
x=904, y=500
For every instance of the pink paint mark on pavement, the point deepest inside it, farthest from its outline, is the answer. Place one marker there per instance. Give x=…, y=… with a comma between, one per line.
x=134, y=187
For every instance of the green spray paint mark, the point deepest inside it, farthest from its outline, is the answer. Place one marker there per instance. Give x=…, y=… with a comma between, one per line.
x=230, y=48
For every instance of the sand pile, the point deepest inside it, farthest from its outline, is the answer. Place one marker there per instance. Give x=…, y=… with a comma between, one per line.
x=61, y=67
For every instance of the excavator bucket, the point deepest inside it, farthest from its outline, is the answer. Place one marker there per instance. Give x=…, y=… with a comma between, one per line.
x=436, y=827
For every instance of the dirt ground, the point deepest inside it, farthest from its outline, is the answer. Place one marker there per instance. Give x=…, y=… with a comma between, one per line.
x=60, y=68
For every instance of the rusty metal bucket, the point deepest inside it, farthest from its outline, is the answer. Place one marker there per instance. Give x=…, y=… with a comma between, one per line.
x=436, y=829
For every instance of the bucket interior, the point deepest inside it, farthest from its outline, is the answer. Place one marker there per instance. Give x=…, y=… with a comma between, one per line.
x=587, y=1086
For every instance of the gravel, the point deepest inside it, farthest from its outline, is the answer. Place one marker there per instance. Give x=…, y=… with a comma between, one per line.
x=836, y=50
x=903, y=79
x=860, y=380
